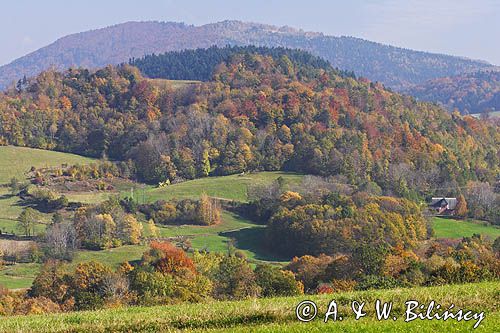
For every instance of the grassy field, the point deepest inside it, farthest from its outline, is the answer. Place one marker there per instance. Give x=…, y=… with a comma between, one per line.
x=18, y=276
x=111, y=257
x=234, y=229
x=230, y=221
x=233, y=187
x=15, y=162
x=450, y=228
x=277, y=314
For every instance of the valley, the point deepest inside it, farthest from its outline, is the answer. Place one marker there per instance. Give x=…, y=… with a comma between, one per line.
x=213, y=189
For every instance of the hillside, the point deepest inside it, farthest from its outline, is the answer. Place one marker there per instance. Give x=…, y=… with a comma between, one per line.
x=258, y=113
x=274, y=314
x=471, y=93
x=393, y=66
x=16, y=161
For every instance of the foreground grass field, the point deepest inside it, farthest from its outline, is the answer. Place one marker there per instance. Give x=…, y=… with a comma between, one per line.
x=450, y=228
x=276, y=314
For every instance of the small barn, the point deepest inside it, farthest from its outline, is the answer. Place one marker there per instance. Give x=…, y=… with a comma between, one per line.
x=443, y=206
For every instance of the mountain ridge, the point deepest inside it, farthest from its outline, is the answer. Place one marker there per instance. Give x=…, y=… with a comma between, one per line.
x=394, y=66
x=470, y=93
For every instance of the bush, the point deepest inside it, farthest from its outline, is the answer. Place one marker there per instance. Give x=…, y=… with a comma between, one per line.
x=151, y=286
x=234, y=279
x=276, y=282
x=378, y=282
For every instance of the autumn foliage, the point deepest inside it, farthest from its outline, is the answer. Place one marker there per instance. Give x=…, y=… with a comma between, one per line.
x=169, y=259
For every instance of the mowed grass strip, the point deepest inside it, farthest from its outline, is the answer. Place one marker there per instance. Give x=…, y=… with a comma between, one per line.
x=451, y=228
x=275, y=314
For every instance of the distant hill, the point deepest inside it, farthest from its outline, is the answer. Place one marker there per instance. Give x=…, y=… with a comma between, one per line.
x=470, y=93
x=393, y=66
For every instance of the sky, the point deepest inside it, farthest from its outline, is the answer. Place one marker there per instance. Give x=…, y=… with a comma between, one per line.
x=469, y=28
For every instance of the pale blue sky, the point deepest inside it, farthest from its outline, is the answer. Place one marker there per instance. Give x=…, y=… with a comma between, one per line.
x=468, y=28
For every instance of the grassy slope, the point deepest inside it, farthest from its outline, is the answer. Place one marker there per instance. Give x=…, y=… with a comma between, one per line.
x=15, y=162
x=111, y=257
x=19, y=275
x=233, y=187
x=450, y=228
x=275, y=314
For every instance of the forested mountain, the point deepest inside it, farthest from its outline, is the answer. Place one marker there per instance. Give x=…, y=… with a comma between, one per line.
x=395, y=67
x=257, y=113
x=469, y=93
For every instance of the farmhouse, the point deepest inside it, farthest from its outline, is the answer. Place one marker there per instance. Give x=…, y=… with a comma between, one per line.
x=443, y=206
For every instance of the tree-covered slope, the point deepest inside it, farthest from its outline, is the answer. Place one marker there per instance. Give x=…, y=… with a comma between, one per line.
x=258, y=113
x=470, y=93
x=393, y=66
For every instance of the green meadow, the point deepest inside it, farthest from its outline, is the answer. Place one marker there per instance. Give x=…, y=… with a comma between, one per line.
x=16, y=162
x=277, y=314
x=451, y=228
